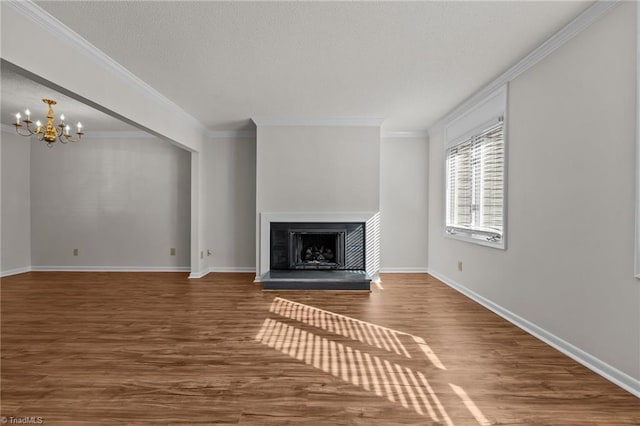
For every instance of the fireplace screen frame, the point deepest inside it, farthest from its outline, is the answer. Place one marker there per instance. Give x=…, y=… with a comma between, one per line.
x=296, y=248
x=355, y=250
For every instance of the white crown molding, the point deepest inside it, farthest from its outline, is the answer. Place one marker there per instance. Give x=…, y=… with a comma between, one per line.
x=405, y=134
x=596, y=365
x=218, y=134
x=129, y=134
x=59, y=30
x=573, y=28
x=124, y=134
x=318, y=121
x=231, y=134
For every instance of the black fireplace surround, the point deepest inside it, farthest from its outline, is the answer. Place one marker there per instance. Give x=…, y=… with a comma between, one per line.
x=317, y=245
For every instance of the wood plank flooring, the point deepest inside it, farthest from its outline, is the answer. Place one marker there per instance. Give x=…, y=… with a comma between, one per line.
x=141, y=348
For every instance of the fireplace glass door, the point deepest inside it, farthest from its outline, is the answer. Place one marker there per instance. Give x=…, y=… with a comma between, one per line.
x=316, y=249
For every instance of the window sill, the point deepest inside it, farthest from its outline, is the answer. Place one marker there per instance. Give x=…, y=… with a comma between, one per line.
x=479, y=240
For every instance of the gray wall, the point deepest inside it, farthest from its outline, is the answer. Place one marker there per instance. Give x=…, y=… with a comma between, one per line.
x=318, y=169
x=569, y=263
x=230, y=203
x=229, y=182
x=404, y=204
x=120, y=202
x=16, y=203
x=230, y=179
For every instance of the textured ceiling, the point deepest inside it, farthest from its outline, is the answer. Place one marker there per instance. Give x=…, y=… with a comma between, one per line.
x=226, y=62
x=20, y=93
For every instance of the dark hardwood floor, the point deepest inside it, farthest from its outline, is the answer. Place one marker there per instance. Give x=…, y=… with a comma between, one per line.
x=139, y=348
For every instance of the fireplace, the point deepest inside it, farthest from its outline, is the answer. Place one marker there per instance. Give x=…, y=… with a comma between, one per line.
x=309, y=245
x=316, y=249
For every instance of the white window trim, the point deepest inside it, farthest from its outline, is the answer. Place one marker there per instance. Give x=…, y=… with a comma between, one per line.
x=637, y=245
x=460, y=128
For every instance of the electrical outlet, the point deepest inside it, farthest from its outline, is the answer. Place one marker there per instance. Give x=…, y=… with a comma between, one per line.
x=75, y=252
x=460, y=265
x=209, y=252
x=172, y=251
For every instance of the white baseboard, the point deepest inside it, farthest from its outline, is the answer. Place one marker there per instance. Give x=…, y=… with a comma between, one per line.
x=241, y=269
x=111, y=268
x=193, y=275
x=15, y=271
x=245, y=269
x=196, y=275
x=405, y=270
x=596, y=365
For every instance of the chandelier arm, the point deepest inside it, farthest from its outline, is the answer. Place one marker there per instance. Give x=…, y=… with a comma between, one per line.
x=61, y=134
x=70, y=139
x=17, y=126
x=28, y=123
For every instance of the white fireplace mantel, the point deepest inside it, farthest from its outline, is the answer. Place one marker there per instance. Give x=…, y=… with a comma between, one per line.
x=371, y=239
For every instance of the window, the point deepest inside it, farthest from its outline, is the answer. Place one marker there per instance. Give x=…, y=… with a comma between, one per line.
x=475, y=175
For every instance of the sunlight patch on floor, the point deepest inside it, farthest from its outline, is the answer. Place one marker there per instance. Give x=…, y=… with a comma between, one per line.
x=397, y=383
x=351, y=365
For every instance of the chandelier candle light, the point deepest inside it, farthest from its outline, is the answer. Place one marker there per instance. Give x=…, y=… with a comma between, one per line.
x=48, y=133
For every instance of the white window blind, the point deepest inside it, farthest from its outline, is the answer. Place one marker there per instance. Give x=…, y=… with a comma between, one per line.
x=475, y=185
x=475, y=162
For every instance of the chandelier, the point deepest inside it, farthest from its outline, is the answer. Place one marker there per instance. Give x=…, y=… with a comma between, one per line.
x=50, y=132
